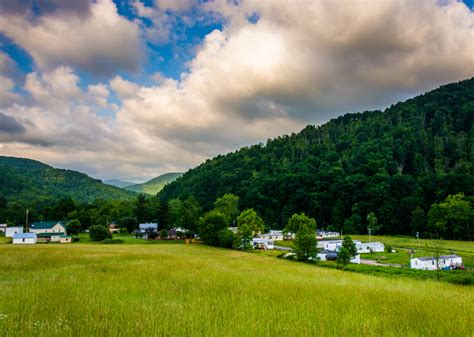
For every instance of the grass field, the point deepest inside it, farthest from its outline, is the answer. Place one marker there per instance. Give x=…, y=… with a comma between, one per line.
x=194, y=290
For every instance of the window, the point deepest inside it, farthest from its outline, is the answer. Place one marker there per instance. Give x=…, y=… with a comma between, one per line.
x=23, y=239
x=432, y=263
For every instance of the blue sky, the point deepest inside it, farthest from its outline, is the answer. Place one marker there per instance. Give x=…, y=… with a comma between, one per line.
x=137, y=88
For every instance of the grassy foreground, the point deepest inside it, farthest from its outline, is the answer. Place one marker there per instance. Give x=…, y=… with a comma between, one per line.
x=194, y=290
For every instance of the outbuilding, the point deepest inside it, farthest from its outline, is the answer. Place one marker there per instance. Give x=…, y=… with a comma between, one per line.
x=10, y=231
x=65, y=239
x=24, y=239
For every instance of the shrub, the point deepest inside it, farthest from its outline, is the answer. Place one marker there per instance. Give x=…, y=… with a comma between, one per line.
x=99, y=233
x=163, y=234
x=111, y=241
x=123, y=230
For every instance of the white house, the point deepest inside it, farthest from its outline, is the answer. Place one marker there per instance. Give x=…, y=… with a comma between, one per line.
x=48, y=231
x=333, y=245
x=3, y=227
x=145, y=228
x=48, y=227
x=429, y=263
x=24, y=239
x=273, y=235
x=260, y=243
x=320, y=234
x=148, y=225
x=331, y=255
x=368, y=247
x=10, y=231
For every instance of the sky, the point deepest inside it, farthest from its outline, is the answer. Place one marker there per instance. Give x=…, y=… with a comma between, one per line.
x=131, y=89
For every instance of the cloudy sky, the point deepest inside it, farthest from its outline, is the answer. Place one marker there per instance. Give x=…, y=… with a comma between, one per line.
x=131, y=89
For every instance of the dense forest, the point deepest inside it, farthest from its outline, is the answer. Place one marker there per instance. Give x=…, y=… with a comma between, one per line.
x=28, y=180
x=396, y=163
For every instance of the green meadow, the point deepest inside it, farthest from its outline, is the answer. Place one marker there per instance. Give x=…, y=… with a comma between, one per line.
x=195, y=290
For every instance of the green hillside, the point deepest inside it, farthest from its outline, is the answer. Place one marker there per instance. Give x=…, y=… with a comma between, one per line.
x=154, y=185
x=395, y=163
x=29, y=180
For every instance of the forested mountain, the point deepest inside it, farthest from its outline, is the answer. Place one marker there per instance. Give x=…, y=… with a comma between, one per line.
x=154, y=185
x=28, y=180
x=395, y=163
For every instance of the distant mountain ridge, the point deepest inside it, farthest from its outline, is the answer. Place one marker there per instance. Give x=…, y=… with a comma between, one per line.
x=117, y=183
x=154, y=185
x=30, y=180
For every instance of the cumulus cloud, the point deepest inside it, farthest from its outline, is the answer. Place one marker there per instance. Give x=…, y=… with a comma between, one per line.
x=274, y=67
x=99, y=42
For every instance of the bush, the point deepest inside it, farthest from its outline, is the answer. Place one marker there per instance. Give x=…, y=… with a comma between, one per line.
x=163, y=234
x=123, y=230
x=112, y=241
x=99, y=233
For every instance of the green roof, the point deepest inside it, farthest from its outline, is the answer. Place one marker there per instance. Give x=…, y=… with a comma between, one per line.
x=45, y=224
x=46, y=235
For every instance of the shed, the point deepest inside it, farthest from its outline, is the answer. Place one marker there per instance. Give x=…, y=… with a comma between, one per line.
x=24, y=239
x=65, y=239
x=10, y=231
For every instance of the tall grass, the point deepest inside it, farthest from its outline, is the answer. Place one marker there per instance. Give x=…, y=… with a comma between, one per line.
x=194, y=290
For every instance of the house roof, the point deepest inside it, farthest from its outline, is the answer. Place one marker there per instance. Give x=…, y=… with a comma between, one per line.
x=45, y=224
x=46, y=235
x=148, y=225
x=24, y=236
x=443, y=257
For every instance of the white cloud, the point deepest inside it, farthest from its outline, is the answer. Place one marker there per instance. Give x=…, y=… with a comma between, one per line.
x=100, y=42
x=301, y=62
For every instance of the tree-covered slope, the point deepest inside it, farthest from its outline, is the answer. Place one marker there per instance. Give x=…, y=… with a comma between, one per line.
x=29, y=180
x=154, y=185
x=390, y=162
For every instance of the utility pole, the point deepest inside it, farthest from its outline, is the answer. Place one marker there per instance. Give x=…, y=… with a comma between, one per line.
x=26, y=222
x=369, y=234
x=418, y=239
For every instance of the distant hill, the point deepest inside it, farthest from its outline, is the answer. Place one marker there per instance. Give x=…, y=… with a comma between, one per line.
x=30, y=180
x=396, y=163
x=154, y=185
x=117, y=183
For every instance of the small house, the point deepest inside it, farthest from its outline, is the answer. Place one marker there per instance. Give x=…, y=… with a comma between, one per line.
x=370, y=247
x=260, y=243
x=24, y=238
x=147, y=228
x=320, y=234
x=3, y=227
x=48, y=227
x=274, y=235
x=332, y=256
x=444, y=262
x=10, y=231
x=333, y=245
